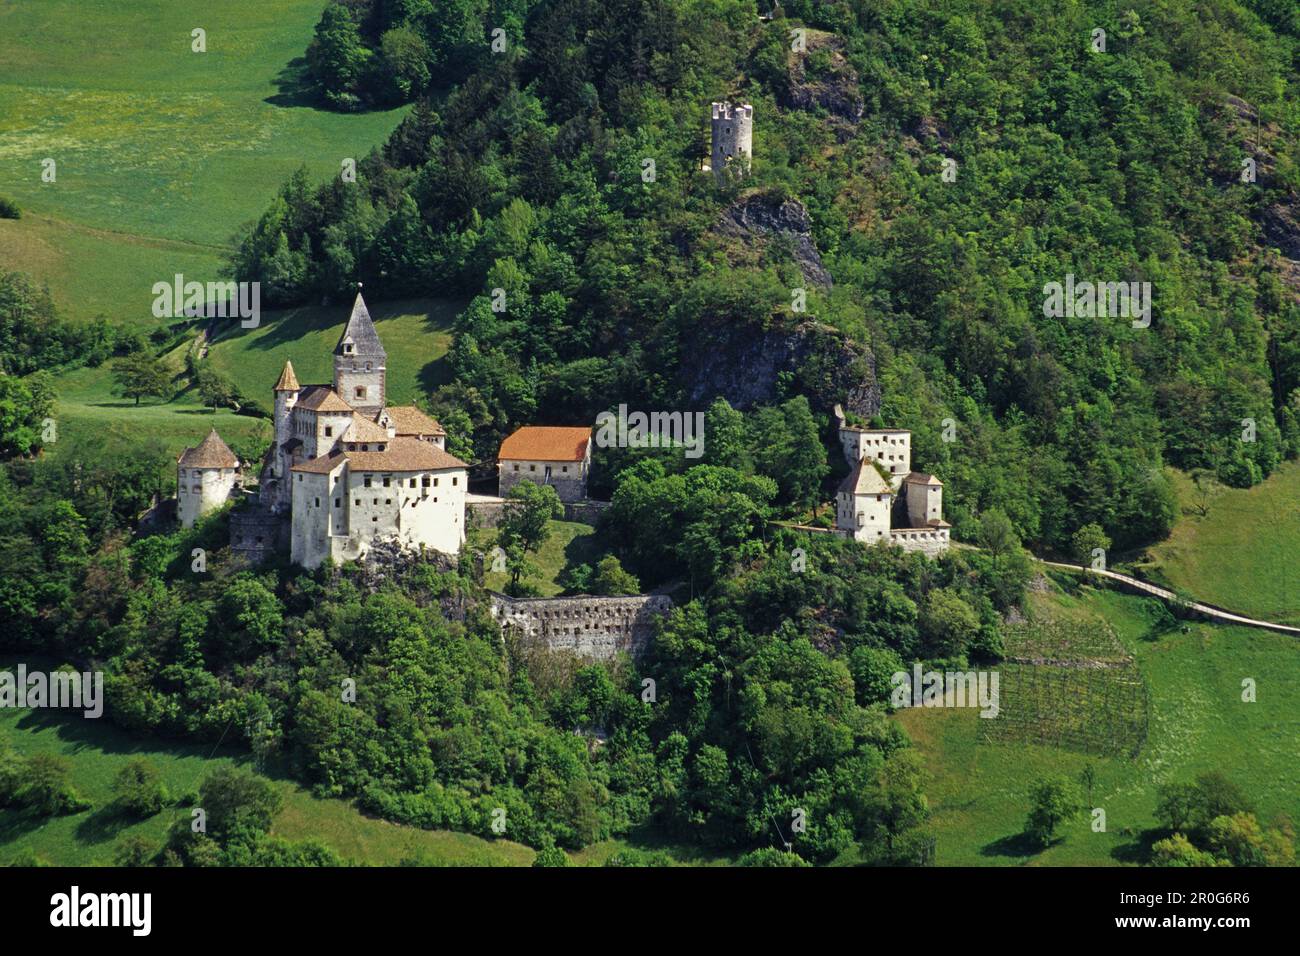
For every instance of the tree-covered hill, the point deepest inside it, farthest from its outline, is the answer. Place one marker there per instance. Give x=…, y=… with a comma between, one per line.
x=522, y=169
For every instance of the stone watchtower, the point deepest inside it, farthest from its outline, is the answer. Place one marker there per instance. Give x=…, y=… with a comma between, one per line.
x=360, y=362
x=733, y=137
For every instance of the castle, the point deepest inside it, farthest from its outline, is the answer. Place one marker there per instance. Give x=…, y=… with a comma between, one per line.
x=345, y=468
x=882, y=499
x=733, y=137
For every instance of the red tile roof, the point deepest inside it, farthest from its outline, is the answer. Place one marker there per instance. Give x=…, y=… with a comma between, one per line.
x=546, y=443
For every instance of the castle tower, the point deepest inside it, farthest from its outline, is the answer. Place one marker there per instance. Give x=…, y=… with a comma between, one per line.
x=286, y=396
x=733, y=137
x=360, y=362
x=205, y=477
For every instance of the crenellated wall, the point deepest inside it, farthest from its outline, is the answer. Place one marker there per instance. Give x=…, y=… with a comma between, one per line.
x=590, y=626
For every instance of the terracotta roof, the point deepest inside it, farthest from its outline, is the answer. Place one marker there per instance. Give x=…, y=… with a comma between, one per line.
x=922, y=478
x=288, y=381
x=865, y=480
x=364, y=430
x=322, y=398
x=546, y=443
x=212, y=452
x=403, y=454
x=360, y=331
x=321, y=466
x=409, y=420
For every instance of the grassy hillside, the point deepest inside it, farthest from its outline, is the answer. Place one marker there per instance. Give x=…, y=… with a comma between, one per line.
x=1198, y=723
x=1242, y=554
x=152, y=141
x=97, y=751
x=571, y=543
x=416, y=333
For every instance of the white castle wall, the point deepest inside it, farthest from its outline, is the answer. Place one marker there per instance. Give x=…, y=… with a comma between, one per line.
x=200, y=490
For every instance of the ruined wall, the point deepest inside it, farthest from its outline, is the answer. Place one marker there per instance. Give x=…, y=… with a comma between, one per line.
x=594, y=627
x=256, y=534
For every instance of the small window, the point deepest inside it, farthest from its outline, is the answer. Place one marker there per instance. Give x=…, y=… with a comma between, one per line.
x=317, y=502
x=532, y=467
x=338, y=502
x=300, y=477
x=424, y=481
x=388, y=501
x=435, y=482
x=412, y=485
x=347, y=347
x=565, y=469
x=366, y=480
x=455, y=481
x=361, y=391
x=329, y=431
x=387, y=481
x=357, y=502
x=374, y=517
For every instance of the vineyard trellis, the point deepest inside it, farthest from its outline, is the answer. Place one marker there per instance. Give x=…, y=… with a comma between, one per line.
x=1070, y=685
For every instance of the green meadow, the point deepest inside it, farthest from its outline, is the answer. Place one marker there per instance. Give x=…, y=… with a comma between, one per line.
x=96, y=751
x=416, y=335
x=1242, y=555
x=980, y=790
x=570, y=543
x=160, y=152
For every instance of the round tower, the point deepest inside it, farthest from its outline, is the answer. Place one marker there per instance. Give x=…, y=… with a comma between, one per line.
x=733, y=137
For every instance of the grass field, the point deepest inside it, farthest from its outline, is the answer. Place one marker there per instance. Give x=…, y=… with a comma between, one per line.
x=160, y=152
x=571, y=543
x=979, y=791
x=1242, y=555
x=96, y=751
x=416, y=335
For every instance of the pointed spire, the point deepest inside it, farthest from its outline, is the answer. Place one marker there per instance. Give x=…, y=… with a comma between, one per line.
x=359, y=333
x=288, y=381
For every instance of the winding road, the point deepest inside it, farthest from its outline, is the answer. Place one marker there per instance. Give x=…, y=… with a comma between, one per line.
x=1208, y=610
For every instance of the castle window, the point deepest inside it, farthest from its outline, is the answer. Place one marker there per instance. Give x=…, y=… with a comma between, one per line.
x=381, y=446
x=455, y=481
x=329, y=431
x=317, y=502
x=367, y=366
x=387, y=480
x=532, y=467
x=366, y=480
x=388, y=501
x=361, y=391
x=412, y=485
x=565, y=468
x=374, y=501
x=435, y=482
x=357, y=502
x=516, y=467
x=424, y=481
x=338, y=502
x=374, y=517
x=300, y=478
x=347, y=347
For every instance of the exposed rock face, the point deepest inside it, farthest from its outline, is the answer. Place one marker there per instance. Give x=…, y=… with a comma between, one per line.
x=743, y=363
x=822, y=78
x=759, y=219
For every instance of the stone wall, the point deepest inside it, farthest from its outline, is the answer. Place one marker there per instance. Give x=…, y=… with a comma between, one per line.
x=590, y=626
x=481, y=512
x=256, y=535
x=588, y=511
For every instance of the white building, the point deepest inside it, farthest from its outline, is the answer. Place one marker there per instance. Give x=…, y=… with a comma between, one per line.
x=882, y=499
x=206, y=477
x=732, y=138
x=546, y=455
x=347, y=469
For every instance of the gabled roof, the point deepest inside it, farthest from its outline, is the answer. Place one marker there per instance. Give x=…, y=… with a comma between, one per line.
x=402, y=454
x=360, y=331
x=364, y=430
x=409, y=420
x=546, y=443
x=922, y=478
x=322, y=398
x=212, y=452
x=865, y=480
x=288, y=381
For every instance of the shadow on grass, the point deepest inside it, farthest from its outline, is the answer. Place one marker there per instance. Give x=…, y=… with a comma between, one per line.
x=1016, y=845
x=1139, y=850
x=295, y=87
